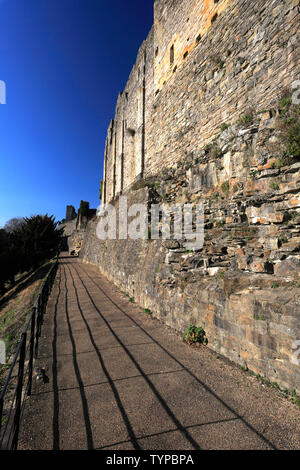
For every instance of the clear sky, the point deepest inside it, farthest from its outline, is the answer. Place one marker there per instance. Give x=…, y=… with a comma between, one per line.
x=64, y=63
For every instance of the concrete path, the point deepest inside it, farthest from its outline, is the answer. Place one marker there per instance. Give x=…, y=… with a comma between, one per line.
x=119, y=379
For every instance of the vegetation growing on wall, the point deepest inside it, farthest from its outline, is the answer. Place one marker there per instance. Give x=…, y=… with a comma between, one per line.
x=195, y=335
x=289, y=125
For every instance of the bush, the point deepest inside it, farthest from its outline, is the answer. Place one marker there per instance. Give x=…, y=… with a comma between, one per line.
x=224, y=126
x=289, y=125
x=247, y=119
x=27, y=246
x=37, y=240
x=195, y=335
x=225, y=187
x=293, y=141
x=8, y=265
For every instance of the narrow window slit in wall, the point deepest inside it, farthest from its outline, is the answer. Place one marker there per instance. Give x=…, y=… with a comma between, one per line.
x=174, y=69
x=172, y=55
x=156, y=52
x=185, y=54
x=131, y=132
x=198, y=38
x=216, y=1
x=214, y=18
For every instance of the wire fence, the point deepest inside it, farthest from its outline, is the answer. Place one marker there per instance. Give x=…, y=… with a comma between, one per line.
x=18, y=383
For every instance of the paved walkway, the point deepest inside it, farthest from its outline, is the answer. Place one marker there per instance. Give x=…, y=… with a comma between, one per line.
x=119, y=379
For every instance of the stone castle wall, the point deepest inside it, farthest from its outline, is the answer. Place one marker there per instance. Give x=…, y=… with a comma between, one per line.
x=231, y=57
x=206, y=116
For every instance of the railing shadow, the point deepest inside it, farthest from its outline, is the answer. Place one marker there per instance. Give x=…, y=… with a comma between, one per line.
x=203, y=384
x=172, y=416
x=85, y=407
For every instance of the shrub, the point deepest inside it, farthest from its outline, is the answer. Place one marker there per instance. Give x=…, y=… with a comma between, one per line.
x=195, y=335
x=293, y=141
x=38, y=240
x=247, y=119
x=26, y=247
x=285, y=103
x=274, y=185
x=217, y=152
x=289, y=125
x=225, y=187
x=224, y=126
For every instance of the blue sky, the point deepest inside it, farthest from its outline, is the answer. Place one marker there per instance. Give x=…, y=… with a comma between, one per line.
x=64, y=63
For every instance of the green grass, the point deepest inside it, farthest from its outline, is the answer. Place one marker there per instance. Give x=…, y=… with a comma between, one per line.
x=291, y=395
x=225, y=187
x=258, y=317
x=274, y=285
x=247, y=119
x=3, y=420
x=224, y=126
x=274, y=185
x=221, y=274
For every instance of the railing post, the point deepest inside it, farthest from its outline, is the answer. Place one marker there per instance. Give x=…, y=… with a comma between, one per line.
x=31, y=352
x=16, y=424
x=1, y=414
x=37, y=333
x=10, y=441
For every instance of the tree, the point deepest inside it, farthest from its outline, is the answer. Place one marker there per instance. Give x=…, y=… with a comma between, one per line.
x=38, y=239
x=9, y=258
x=25, y=246
x=4, y=259
x=13, y=224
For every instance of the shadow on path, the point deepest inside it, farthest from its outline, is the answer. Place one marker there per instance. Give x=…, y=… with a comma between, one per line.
x=208, y=389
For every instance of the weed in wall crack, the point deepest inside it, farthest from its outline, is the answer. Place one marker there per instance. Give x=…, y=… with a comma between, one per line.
x=291, y=395
x=195, y=335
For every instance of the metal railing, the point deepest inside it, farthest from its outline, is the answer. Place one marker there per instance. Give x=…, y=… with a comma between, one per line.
x=18, y=385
